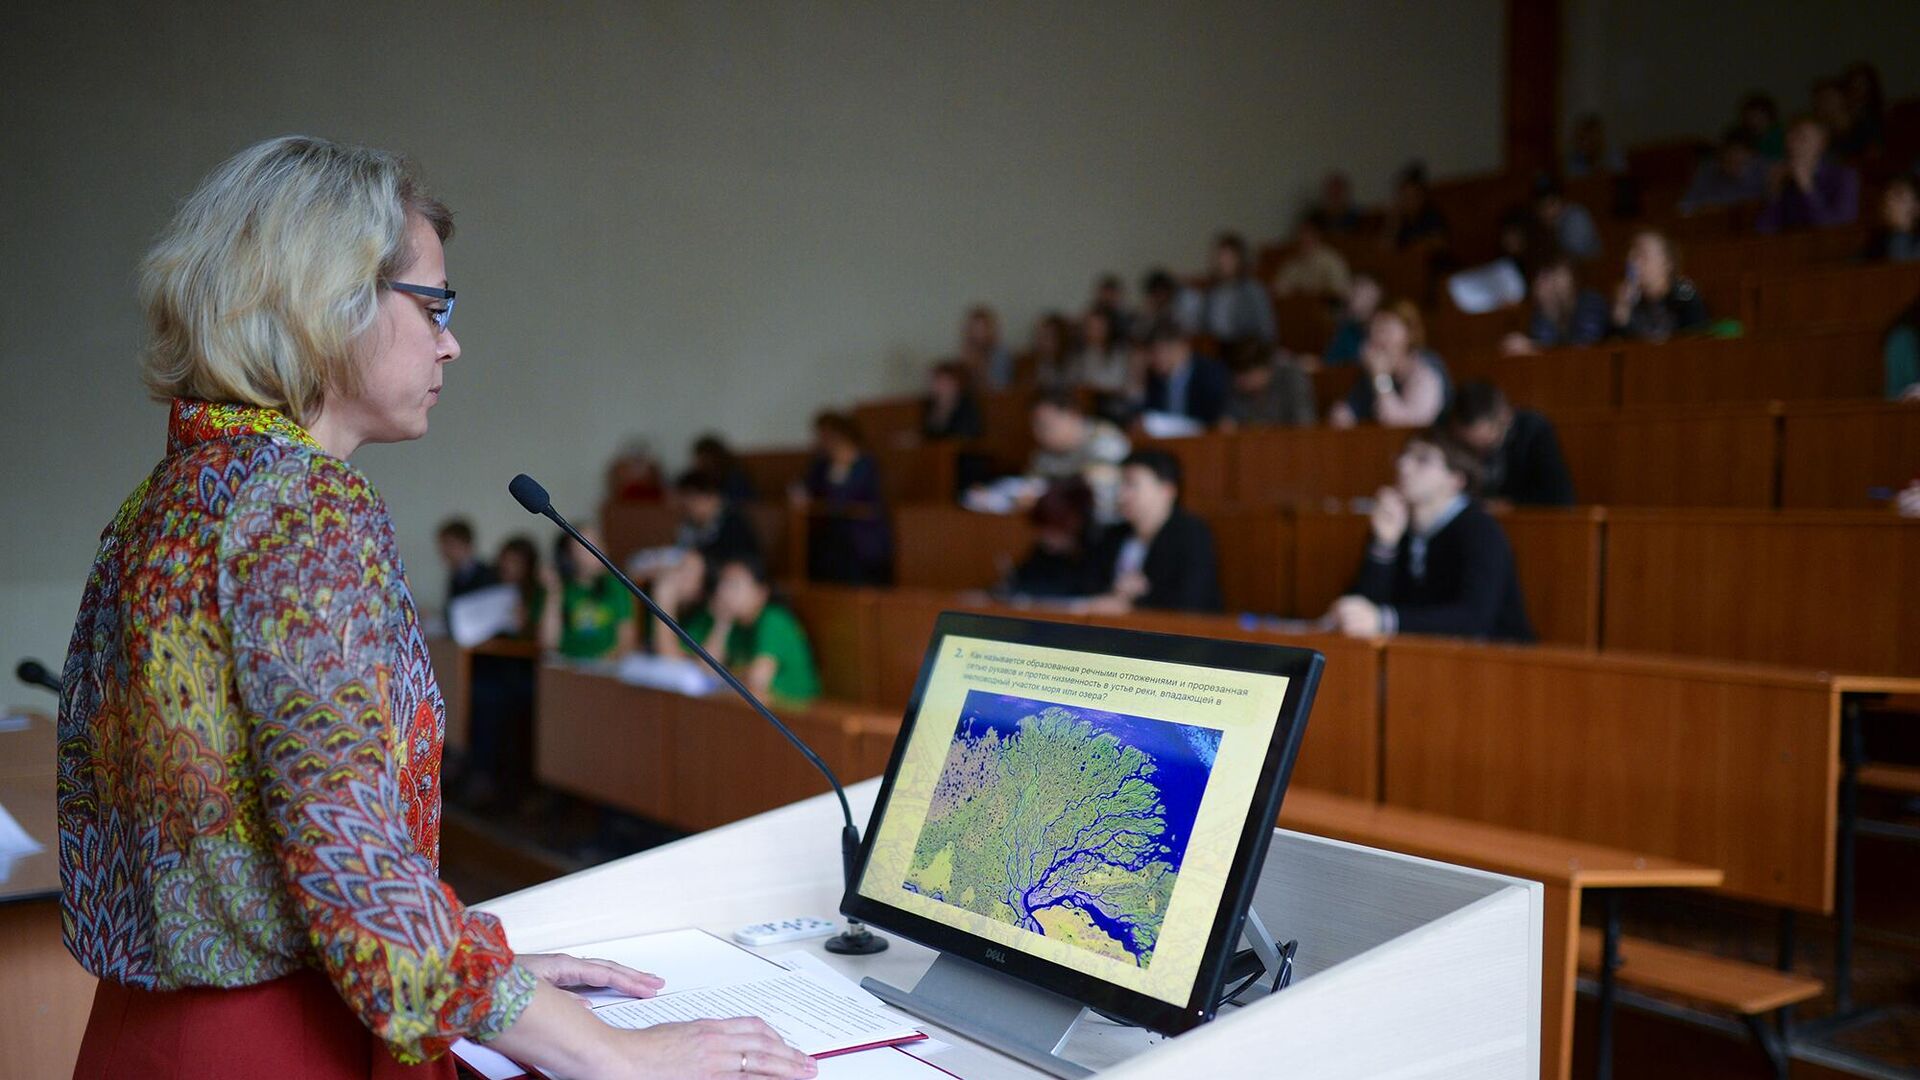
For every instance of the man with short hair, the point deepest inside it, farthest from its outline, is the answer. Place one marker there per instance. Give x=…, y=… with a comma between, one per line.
x=465, y=570
x=708, y=523
x=1519, y=449
x=1436, y=562
x=1158, y=556
x=1180, y=381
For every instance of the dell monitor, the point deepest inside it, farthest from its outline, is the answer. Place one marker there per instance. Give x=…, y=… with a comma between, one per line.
x=1074, y=817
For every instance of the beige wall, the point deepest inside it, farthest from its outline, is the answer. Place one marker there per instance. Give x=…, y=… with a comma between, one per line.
x=1659, y=68
x=672, y=216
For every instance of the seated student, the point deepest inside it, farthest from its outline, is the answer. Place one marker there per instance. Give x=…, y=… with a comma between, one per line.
x=986, y=357
x=950, y=411
x=680, y=589
x=1519, y=450
x=1110, y=296
x=1437, y=563
x=1736, y=174
x=1808, y=190
x=1405, y=384
x=1588, y=155
x=1235, y=306
x=712, y=455
x=1564, y=314
x=1413, y=221
x=1350, y=331
x=1900, y=355
x=1158, y=556
x=759, y=639
x=518, y=565
x=1760, y=119
x=1654, y=301
x=708, y=523
x=1070, y=446
x=1160, y=298
x=1865, y=133
x=500, y=702
x=588, y=614
x=1050, y=355
x=1269, y=389
x=1056, y=566
x=848, y=539
x=1314, y=267
x=1897, y=238
x=1569, y=228
x=1103, y=362
x=1335, y=213
x=465, y=570
x=1180, y=381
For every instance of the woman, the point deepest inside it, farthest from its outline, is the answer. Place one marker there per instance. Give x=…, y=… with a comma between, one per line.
x=1654, y=302
x=950, y=411
x=757, y=637
x=1403, y=384
x=588, y=614
x=981, y=349
x=1103, y=362
x=848, y=541
x=1050, y=356
x=250, y=733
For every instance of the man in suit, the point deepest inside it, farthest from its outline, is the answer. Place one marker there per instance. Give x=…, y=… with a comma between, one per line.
x=1436, y=562
x=1182, y=382
x=1158, y=555
x=1519, y=450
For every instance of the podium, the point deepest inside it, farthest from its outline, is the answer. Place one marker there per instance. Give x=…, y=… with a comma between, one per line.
x=1406, y=968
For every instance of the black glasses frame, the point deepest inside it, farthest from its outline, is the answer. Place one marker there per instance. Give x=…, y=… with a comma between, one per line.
x=440, y=318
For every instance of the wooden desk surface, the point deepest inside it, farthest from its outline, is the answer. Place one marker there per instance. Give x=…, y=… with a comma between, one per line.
x=29, y=752
x=27, y=793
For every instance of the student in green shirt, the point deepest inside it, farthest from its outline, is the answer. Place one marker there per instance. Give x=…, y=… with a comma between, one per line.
x=759, y=639
x=588, y=615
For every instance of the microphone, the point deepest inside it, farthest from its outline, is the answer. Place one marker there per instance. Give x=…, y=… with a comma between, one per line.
x=856, y=939
x=35, y=673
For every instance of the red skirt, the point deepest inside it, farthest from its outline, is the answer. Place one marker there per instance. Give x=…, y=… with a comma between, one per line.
x=293, y=1028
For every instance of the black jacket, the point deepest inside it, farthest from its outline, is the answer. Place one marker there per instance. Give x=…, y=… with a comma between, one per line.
x=1527, y=469
x=1470, y=588
x=1208, y=387
x=1182, y=574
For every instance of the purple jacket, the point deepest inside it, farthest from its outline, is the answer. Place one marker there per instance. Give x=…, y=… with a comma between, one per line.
x=1834, y=200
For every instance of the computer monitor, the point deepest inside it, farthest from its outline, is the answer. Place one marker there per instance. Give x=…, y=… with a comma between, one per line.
x=1081, y=810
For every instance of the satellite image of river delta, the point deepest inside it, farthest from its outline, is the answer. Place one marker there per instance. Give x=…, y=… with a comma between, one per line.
x=1065, y=821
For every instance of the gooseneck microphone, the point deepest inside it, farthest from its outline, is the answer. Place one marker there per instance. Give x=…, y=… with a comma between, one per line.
x=35, y=673
x=856, y=939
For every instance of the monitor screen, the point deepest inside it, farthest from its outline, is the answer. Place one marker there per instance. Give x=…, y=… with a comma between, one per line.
x=1076, y=805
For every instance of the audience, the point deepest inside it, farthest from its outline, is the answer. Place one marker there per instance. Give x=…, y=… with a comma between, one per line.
x=1268, y=390
x=465, y=571
x=1865, y=133
x=982, y=351
x=1654, y=301
x=1519, y=450
x=1158, y=556
x=1180, y=381
x=1808, y=189
x=1900, y=354
x=588, y=614
x=1234, y=306
x=1110, y=296
x=497, y=766
x=1334, y=214
x=1071, y=447
x=1569, y=228
x=950, y=411
x=755, y=635
x=1564, y=312
x=710, y=524
x=1413, y=221
x=1736, y=173
x=1760, y=119
x=1313, y=267
x=848, y=539
x=1160, y=295
x=1588, y=155
x=1050, y=353
x=1436, y=561
x=1897, y=237
x=712, y=455
x=1056, y=565
x=679, y=588
x=1103, y=363
x=1350, y=331
x=518, y=565
x=1402, y=384
x=634, y=474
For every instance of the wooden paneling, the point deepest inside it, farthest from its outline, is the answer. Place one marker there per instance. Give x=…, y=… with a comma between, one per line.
x=903, y=626
x=921, y=473
x=1555, y=381
x=1254, y=547
x=1453, y=333
x=1206, y=465
x=1672, y=457
x=1721, y=765
x=889, y=422
x=1868, y=297
x=1556, y=554
x=1293, y=465
x=1833, y=590
x=938, y=546
x=628, y=527
x=1711, y=371
x=1306, y=323
x=45, y=997
x=453, y=670
x=774, y=471
x=600, y=738
x=1832, y=456
x=840, y=626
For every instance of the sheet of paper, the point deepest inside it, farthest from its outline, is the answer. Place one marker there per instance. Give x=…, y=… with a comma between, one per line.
x=15, y=722
x=810, y=1015
x=881, y=1063
x=687, y=959
x=486, y=1061
x=14, y=841
x=482, y=614
x=827, y=975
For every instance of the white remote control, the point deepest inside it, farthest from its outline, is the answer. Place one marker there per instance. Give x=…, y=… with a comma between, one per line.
x=773, y=933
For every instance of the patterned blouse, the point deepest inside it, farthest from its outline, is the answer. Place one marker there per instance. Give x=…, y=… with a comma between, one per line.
x=250, y=746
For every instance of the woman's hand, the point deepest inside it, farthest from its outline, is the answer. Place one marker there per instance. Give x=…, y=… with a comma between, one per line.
x=572, y=971
x=715, y=1050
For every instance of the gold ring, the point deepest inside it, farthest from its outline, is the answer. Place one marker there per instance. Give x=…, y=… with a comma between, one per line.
x=743, y=1063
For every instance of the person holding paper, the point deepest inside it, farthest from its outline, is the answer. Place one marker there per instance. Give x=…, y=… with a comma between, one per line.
x=250, y=732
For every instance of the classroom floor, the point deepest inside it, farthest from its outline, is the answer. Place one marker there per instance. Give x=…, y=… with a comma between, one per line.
x=487, y=854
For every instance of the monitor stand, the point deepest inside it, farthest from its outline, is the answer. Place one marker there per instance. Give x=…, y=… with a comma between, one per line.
x=1016, y=1018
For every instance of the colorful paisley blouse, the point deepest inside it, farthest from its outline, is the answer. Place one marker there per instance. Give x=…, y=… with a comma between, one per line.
x=250, y=746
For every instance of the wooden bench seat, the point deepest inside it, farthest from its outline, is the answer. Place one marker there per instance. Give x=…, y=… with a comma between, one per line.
x=1732, y=985
x=1901, y=778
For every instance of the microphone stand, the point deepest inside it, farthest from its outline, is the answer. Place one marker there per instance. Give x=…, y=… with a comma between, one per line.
x=856, y=939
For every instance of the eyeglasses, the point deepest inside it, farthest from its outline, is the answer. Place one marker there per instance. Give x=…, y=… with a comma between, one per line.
x=441, y=316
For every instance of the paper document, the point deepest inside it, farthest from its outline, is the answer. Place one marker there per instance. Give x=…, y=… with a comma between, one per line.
x=811, y=1016
x=483, y=614
x=681, y=675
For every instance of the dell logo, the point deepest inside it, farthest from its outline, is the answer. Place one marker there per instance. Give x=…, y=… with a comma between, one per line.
x=996, y=956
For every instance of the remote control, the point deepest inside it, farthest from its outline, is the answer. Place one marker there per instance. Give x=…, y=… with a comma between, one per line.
x=773, y=933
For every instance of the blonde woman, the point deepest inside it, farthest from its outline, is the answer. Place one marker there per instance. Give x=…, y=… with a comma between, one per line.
x=250, y=732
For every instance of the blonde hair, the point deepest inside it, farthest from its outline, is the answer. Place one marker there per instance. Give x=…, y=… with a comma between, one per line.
x=261, y=286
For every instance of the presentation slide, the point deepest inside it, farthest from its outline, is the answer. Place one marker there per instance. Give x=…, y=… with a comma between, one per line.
x=1081, y=808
